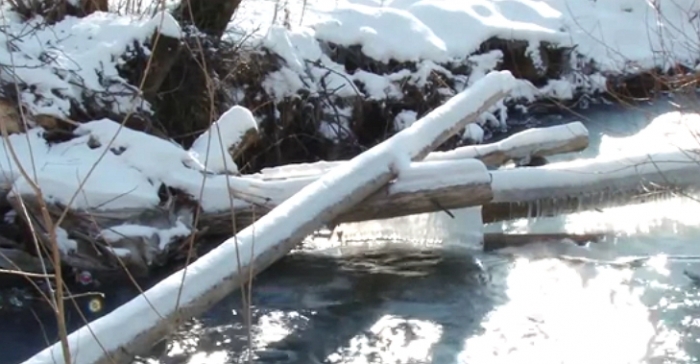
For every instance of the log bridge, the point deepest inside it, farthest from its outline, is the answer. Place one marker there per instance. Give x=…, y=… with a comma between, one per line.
x=278, y=207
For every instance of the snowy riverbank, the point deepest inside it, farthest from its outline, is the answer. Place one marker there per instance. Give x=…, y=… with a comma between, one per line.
x=358, y=71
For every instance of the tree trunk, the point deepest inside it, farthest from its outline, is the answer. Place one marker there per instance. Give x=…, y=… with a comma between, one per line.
x=209, y=16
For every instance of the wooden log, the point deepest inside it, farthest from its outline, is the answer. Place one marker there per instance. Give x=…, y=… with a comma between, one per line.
x=536, y=142
x=422, y=187
x=495, y=241
x=587, y=184
x=427, y=187
x=214, y=276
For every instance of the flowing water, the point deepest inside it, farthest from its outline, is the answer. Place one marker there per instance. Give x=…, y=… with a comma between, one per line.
x=428, y=295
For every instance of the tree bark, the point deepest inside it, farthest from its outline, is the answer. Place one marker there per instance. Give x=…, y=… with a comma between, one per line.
x=209, y=16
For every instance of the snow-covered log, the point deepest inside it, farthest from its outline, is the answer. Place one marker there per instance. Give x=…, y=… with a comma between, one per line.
x=422, y=187
x=427, y=187
x=586, y=184
x=193, y=290
x=536, y=142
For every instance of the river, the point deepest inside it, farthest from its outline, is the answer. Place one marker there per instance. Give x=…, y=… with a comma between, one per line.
x=419, y=290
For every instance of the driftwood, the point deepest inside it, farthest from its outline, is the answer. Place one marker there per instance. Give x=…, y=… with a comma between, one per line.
x=426, y=188
x=548, y=191
x=215, y=275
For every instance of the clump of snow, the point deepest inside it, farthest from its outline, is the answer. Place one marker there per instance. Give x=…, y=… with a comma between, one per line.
x=474, y=133
x=212, y=147
x=404, y=119
x=167, y=25
x=377, y=30
x=431, y=27
x=65, y=244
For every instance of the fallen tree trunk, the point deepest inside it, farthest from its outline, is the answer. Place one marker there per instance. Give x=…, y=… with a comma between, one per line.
x=583, y=185
x=429, y=187
x=423, y=187
x=536, y=142
x=212, y=277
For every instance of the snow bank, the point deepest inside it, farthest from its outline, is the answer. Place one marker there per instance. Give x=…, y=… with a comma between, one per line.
x=103, y=149
x=617, y=34
x=410, y=30
x=444, y=36
x=76, y=60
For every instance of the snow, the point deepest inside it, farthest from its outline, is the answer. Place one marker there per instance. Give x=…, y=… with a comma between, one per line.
x=65, y=244
x=425, y=23
x=420, y=174
x=167, y=25
x=349, y=183
x=619, y=173
x=604, y=37
x=75, y=59
x=82, y=170
x=616, y=34
x=404, y=119
x=212, y=147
